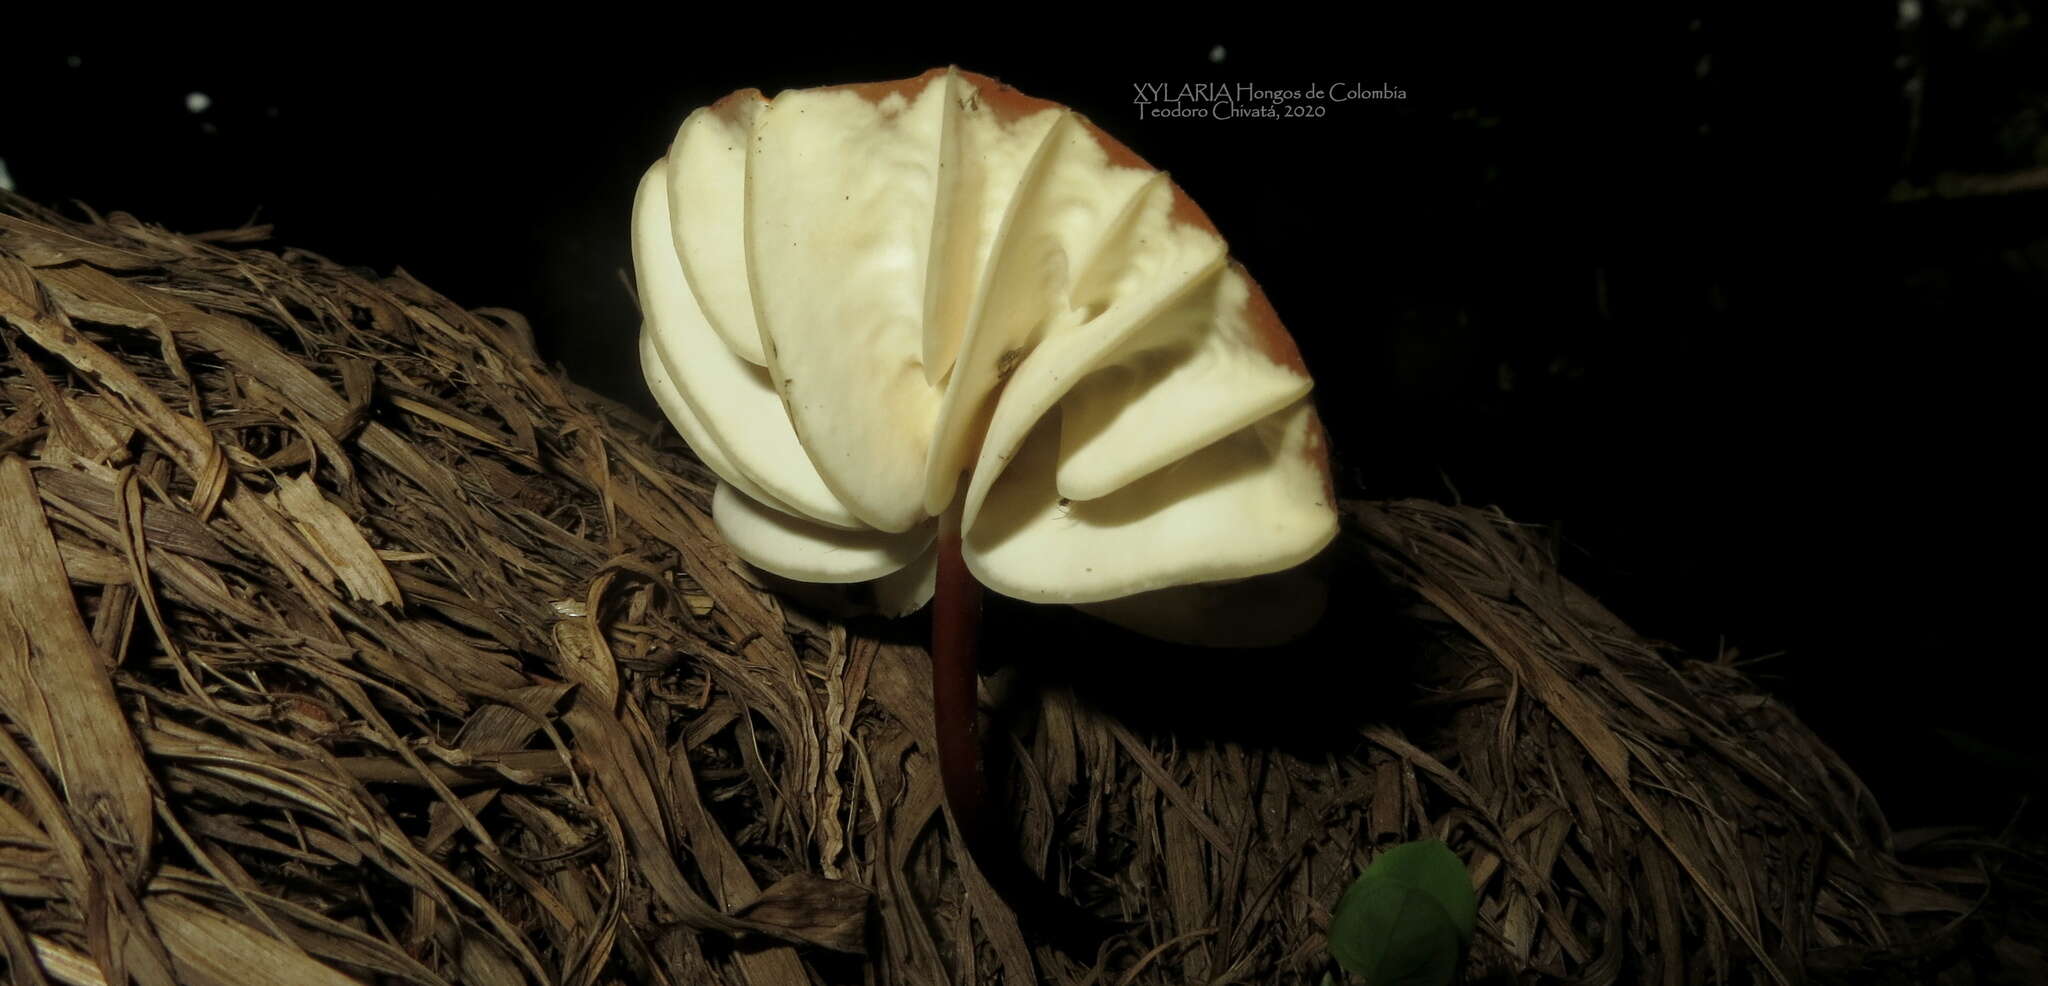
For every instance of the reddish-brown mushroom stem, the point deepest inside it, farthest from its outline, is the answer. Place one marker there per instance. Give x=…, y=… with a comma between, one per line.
x=956, y=628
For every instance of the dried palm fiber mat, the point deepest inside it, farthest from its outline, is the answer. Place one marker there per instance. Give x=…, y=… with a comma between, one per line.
x=341, y=640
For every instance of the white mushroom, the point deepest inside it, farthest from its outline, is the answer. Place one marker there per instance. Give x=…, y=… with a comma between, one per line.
x=869, y=305
x=935, y=334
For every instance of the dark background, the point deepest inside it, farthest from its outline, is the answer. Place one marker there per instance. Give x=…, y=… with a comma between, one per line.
x=1743, y=311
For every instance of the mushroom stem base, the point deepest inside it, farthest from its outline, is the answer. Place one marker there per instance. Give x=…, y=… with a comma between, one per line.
x=956, y=629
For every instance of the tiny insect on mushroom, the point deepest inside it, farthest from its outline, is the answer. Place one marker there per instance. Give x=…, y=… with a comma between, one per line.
x=934, y=335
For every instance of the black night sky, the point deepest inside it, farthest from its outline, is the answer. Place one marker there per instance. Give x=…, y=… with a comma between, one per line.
x=1740, y=310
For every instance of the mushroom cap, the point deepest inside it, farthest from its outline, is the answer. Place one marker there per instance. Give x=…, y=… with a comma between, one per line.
x=736, y=408
x=867, y=304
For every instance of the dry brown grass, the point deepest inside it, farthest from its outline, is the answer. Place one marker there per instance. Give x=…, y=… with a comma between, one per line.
x=341, y=640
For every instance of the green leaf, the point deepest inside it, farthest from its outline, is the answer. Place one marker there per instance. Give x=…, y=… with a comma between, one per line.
x=1407, y=920
x=1431, y=867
